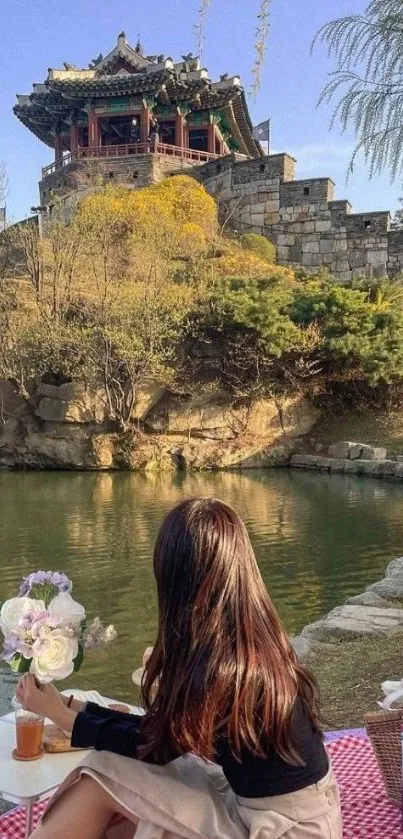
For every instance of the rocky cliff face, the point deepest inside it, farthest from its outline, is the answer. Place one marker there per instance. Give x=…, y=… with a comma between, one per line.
x=69, y=427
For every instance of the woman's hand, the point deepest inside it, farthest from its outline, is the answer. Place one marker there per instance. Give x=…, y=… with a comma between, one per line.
x=41, y=699
x=45, y=700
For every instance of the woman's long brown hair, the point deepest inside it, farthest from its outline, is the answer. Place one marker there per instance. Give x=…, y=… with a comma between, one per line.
x=222, y=665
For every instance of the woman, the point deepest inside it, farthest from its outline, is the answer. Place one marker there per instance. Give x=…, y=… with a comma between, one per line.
x=230, y=746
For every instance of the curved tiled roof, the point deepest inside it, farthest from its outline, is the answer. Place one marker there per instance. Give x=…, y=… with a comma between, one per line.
x=68, y=91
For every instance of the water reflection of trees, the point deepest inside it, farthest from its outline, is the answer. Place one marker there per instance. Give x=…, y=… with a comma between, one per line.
x=318, y=538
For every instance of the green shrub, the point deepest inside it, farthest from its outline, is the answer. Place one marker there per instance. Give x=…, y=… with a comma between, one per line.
x=260, y=246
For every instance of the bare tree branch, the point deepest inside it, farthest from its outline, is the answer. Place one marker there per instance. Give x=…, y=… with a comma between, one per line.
x=261, y=36
x=3, y=184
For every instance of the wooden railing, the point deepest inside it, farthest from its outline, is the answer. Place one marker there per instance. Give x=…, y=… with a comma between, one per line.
x=130, y=150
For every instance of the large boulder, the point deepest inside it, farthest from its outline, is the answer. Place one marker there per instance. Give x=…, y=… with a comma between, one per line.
x=76, y=402
x=395, y=568
x=302, y=647
x=367, y=598
x=72, y=402
x=59, y=446
x=147, y=455
x=355, y=621
x=364, y=452
x=146, y=398
x=211, y=417
x=11, y=403
x=298, y=416
x=341, y=450
x=214, y=417
x=391, y=587
x=346, y=450
x=266, y=458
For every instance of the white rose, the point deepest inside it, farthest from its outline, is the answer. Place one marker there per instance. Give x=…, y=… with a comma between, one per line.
x=13, y=610
x=67, y=609
x=56, y=659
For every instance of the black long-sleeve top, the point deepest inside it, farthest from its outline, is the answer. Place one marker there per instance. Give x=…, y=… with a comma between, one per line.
x=251, y=777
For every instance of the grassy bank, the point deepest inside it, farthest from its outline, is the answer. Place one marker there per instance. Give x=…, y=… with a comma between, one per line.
x=350, y=676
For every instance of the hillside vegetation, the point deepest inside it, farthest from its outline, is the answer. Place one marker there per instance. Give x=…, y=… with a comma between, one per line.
x=142, y=285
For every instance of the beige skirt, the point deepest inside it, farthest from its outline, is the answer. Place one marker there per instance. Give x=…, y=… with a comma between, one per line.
x=191, y=799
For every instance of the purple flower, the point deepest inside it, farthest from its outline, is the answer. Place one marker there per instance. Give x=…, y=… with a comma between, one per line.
x=41, y=621
x=60, y=581
x=27, y=620
x=10, y=647
x=45, y=578
x=37, y=578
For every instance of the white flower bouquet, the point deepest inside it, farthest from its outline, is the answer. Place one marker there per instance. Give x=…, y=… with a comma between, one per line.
x=45, y=629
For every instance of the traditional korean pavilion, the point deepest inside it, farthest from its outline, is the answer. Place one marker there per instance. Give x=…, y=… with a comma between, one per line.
x=127, y=104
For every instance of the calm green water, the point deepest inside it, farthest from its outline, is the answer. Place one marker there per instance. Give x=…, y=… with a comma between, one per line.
x=318, y=539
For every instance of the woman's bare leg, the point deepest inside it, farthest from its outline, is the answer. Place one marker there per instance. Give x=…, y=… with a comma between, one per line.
x=84, y=811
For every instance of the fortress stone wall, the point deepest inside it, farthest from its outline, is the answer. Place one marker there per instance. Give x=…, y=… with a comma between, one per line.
x=308, y=227
x=301, y=217
x=63, y=187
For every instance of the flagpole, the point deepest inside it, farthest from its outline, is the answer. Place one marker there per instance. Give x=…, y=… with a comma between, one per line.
x=268, y=135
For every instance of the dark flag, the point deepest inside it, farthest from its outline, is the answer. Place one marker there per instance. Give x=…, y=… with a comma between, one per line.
x=261, y=132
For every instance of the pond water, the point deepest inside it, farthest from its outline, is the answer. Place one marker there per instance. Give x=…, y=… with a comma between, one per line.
x=318, y=539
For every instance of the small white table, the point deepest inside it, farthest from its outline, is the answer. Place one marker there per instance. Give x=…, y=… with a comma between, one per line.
x=25, y=783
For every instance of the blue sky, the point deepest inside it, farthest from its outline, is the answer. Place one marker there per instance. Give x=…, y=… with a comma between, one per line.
x=38, y=34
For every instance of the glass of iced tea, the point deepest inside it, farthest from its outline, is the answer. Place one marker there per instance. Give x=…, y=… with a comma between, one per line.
x=29, y=733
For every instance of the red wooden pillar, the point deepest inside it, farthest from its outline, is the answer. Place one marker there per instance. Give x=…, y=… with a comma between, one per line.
x=93, y=130
x=180, y=131
x=145, y=118
x=73, y=137
x=219, y=142
x=58, y=147
x=211, y=138
x=186, y=136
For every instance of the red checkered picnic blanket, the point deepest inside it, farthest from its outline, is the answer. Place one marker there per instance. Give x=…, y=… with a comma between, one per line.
x=12, y=824
x=367, y=813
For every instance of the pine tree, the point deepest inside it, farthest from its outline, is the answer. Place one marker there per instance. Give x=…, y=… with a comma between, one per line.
x=367, y=83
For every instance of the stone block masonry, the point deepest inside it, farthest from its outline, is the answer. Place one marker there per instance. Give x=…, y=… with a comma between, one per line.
x=260, y=195
x=301, y=217
x=77, y=180
x=352, y=459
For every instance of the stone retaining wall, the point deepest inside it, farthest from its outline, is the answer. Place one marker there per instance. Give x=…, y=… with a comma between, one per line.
x=302, y=219
x=353, y=459
x=372, y=468
x=376, y=612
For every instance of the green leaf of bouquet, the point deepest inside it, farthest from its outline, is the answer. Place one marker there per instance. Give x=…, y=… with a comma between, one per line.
x=19, y=664
x=79, y=658
x=43, y=591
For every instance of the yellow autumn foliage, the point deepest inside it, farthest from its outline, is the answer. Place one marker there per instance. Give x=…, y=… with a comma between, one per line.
x=186, y=201
x=176, y=217
x=243, y=263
